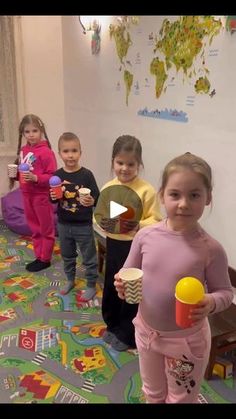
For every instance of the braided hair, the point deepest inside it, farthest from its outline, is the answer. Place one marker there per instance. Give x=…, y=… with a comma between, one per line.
x=26, y=120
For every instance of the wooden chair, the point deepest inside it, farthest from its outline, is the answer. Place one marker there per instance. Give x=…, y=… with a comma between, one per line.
x=101, y=255
x=223, y=331
x=101, y=243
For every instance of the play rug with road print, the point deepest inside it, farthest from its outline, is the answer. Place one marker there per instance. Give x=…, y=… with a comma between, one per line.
x=51, y=347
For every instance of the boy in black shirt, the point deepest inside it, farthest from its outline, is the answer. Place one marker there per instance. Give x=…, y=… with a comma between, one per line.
x=75, y=226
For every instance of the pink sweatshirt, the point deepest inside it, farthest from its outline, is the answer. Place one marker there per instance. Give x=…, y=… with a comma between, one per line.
x=42, y=163
x=165, y=257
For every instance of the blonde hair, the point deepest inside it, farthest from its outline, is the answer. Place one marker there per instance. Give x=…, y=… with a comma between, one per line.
x=188, y=161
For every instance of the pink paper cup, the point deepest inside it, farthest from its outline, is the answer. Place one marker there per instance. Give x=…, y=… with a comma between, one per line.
x=182, y=313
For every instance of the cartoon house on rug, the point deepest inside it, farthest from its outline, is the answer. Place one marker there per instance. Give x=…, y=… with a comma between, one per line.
x=41, y=384
x=37, y=338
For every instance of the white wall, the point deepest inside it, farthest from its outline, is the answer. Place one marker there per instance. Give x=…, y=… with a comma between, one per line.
x=97, y=112
x=39, y=46
x=73, y=90
x=43, y=72
x=40, y=50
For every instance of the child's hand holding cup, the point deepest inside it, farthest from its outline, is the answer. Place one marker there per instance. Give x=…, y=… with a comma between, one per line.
x=119, y=286
x=132, y=281
x=55, y=187
x=84, y=192
x=85, y=197
x=23, y=170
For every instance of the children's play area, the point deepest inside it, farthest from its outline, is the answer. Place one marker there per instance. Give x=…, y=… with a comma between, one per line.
x=51, y=347
x=117, y=151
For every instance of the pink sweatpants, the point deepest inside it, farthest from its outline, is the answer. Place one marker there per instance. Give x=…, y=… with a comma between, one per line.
x=172, y=364
x=39, y=215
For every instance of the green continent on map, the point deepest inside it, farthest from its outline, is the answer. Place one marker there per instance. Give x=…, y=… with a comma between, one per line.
x=128, y=80
x=157, y=69
x=122, y=40
x=182, y=41
x=202, y=85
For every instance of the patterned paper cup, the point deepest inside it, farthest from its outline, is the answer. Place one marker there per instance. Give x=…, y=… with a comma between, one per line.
x=84, y=191
x=182, y=313
x=132, y=280
x=12, y=170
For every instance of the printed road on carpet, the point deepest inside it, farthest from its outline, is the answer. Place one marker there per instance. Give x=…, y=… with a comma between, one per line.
x=51, y=346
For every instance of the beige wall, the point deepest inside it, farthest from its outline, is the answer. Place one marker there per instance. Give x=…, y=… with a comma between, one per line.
x=42, y=67
x=71, y=89
x=43, y=71
x=97, y=111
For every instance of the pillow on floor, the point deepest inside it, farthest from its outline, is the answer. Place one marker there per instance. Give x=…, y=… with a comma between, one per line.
x=13, y=213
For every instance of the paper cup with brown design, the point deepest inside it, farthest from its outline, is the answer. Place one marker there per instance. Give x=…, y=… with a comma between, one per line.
x=12, y=170
x=84, y=192
x=132, y=281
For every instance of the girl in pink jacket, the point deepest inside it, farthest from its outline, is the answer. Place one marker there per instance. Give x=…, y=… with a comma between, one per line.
x=34, y=184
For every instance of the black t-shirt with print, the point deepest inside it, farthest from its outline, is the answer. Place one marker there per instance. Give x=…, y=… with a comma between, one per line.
x=69, y=208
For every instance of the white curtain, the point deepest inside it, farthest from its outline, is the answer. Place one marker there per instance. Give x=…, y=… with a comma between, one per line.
x=8, y=86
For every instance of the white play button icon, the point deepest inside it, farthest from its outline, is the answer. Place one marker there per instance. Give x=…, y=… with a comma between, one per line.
x=116, y=209
x=119, y=210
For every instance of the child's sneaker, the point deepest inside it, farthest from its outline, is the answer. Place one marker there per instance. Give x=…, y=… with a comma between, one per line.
x=87, y=295
x=108, y=336
x=37, y=265
x=31, y=264
x=118, y=345
x=67, y=288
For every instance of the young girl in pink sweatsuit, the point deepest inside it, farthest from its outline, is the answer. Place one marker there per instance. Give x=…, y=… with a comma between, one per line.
x=173, y=360
x=34, y=185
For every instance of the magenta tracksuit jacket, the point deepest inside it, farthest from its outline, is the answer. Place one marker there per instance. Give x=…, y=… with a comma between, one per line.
x=38, y=208
x=42, y=163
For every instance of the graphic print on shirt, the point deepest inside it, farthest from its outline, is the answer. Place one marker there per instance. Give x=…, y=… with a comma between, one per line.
x=29, y=159
x=181, y=370
x=70, y=200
